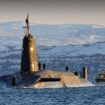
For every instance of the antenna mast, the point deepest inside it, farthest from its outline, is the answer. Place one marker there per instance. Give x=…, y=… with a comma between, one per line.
x=27, y=25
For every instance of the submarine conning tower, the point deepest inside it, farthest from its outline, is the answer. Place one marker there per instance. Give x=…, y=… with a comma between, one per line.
x=29, y=57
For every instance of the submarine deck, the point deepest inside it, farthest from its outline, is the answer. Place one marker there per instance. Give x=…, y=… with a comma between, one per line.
x=47, y=79
x=58, y=79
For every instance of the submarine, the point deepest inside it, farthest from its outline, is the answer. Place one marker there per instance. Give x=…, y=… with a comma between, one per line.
x=101, y=77
x=31, y=76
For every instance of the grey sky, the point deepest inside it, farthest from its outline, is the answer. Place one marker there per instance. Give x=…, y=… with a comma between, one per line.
x=54, y=11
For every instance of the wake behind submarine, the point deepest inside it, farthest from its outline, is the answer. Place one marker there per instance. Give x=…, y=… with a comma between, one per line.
x=31, y=76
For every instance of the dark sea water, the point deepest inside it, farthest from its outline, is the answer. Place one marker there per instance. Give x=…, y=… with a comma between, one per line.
x=64, y=96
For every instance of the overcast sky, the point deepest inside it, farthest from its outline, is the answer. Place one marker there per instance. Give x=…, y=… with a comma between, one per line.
x=54, y=11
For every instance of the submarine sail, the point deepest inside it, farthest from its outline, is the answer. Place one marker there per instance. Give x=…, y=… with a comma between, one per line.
x=29, y=57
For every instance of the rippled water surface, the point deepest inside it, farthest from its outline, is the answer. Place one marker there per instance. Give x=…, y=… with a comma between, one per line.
x=65, y=96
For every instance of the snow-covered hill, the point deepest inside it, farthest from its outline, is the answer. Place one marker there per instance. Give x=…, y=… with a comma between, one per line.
x=58, y=40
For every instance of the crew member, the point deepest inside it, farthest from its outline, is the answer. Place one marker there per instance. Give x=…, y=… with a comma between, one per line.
x=67, y=68
x=44, y=66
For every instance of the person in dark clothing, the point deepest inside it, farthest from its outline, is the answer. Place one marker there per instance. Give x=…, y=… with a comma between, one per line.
x=44, y=66
x=39, y=66
x=76, y=73
x=66, y=68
